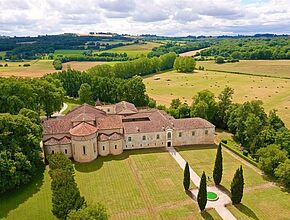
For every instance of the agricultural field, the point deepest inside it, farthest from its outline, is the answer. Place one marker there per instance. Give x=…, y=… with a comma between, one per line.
x=69, y=52
x=37, y=68
x=276, y=68
x=139, y=184
x=274, y=92
x=191, y=53
x=134, y=50
x=258, y=192
x=81, y=66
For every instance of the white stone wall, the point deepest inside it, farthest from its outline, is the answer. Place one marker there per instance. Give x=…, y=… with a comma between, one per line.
x=104, y=148
x=150, y=141
x=109, y=109
x=187, y=137
x=116, y=147
x=91, y=148
x=64, y=148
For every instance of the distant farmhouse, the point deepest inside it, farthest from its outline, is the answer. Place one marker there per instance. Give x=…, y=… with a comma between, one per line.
x=87, y=132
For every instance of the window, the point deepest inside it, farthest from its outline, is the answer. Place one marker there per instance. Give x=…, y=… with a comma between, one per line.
x=103, y=147
x=144, y=138
x=108, y=110
x=129, y=139
x=84, y=149
x=180, y=134
x=157, y=136
x=193, y=133
x=65, y=151
x=52, y=151
x=206, y=132
x=94, y=147
x=115, y=146
x=169, y=135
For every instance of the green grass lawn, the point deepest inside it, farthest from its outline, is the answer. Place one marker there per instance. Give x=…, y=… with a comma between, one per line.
x=32, y=202
x=277, y=68
x=260, y=201
x=2, y=54
x=273, y=92
x=137, y=184
x=135, y=49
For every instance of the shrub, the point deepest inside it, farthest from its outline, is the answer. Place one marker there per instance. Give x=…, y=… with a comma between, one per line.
x=1, y=65
x=224, y=141
x=90, y=212
x=202, y=193
x=220, y=60
x=186, y=177
x=57, y=64
x=237, y=186
x=218, y=166
x=245, y=152
x=26, y=64
x=6, y=65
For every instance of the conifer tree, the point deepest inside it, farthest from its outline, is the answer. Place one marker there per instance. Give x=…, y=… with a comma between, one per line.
x=237, y=186
x=202, y=193
x=186, y=177
x=218, y=166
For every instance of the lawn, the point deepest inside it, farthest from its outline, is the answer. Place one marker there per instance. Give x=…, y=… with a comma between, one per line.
x=276, y=68
x=32, y=202
x=273, y=92
x=134, y=50
x=258, y=191
x=138, y=184
x=38, y=68
x=144, y=184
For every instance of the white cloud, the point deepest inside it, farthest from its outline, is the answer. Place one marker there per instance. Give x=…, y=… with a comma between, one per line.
x=163, y=17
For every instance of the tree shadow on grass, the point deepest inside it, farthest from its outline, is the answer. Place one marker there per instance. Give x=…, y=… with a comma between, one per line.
x=99, y=162
x=12, y=199
x=206, y=215
x=247, y=211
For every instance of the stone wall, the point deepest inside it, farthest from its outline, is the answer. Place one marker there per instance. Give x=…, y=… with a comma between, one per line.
x=87, y=144
x=64, y=148
x=150, y=140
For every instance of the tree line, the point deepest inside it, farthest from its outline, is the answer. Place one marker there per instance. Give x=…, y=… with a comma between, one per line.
x=178, y=47
x=263, y=136
x=67, y=202
x=251, y=48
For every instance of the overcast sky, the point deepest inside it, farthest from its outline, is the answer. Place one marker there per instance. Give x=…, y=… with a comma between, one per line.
x=162, y=17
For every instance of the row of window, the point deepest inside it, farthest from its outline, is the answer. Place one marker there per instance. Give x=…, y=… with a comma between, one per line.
x=168, y=135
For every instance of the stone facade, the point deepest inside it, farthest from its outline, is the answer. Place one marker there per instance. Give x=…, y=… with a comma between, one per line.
x=88, y=132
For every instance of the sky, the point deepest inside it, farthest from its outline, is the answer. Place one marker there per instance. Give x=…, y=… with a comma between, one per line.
x=136, y=17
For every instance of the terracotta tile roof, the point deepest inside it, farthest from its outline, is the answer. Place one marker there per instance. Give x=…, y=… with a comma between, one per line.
x=190, y=123
x=55, y=141
x=110, y=122
x=62, y=125
x=51, y=141
x=115, y=136
x=56, y=126
x=103, y=137
x=157, y=123
x=125, y=107
x=65, y=140
x=84, y=117
x=83, y=129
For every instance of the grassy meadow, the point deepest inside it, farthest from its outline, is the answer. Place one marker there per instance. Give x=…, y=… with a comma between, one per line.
x=276, y=68
x=37, y=68
x=274, y=92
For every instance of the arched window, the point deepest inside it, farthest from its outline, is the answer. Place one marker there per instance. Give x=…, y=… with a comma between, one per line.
x=115, y=146
x=103, y=147
x=84, y=149
x=65, y=151
x=52, y=151
x=169, y=135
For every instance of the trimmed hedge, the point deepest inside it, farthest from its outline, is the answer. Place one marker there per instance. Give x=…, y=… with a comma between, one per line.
x=240, y=153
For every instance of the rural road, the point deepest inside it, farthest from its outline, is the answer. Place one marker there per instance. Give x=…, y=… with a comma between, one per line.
x=56, y=114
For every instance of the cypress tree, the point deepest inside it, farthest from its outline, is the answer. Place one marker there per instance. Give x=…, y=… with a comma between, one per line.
x=202, y=193
x=237, y=186
x=186, y=177
x=218, y=166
